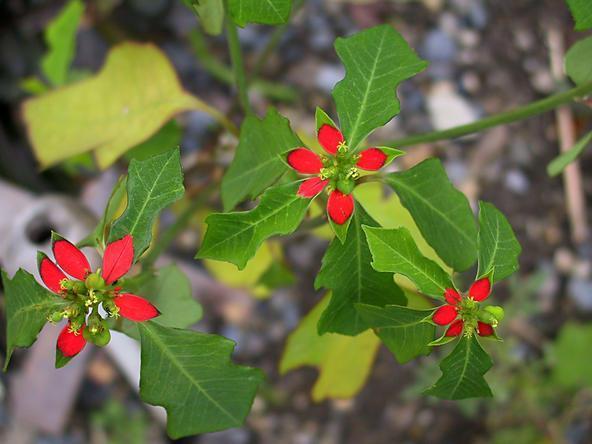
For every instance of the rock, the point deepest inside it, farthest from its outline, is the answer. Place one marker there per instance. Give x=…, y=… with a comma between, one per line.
x=328, y=76
x=580, y=292
x=447, y=108
x=516, y=181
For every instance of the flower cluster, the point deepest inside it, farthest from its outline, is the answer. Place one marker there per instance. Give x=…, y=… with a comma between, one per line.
x=337, y=171
x=464, y=315
x=87, y=291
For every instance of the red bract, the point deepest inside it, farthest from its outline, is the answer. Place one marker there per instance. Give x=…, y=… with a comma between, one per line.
x=88, y=290
x=337, y=170
x=71, y=342
x=459, y=311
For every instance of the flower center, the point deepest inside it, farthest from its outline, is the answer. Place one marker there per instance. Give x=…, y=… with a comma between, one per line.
x=340, y=170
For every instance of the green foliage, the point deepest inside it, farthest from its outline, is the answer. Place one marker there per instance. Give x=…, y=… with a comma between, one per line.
x=347, y=272
x=170, y=291
x=498, y=247
x=152, y=185
x=258, y=162
x=403, y=330
x=582, y=13
x=442, y=213
x=558, y=164
x=268, y=12
x=344, y=362
x=570, y=368
x=376, y=61
x=190, y=374
x=462, y=372
x=210, y=13
x=27, y=306
x=60, y=37
x=394, y=251
x=578, y=61
x=235, y=237
x=133, y=95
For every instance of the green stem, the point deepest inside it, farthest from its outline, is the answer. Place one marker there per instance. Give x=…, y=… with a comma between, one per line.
x=238, y=67
x=522, y=112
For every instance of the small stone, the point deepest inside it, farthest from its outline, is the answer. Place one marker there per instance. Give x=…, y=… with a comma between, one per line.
x=517, y=182
x=580, y=292
x=328, y=76
x=447, y=108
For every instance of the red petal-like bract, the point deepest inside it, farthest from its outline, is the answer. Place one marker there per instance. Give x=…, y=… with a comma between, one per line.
x=480, y=289
x=371, y=159
x=305, y=161
x=70, y=343
x=452, y=296
x=70, y=259
x=455, y=328
x=340, y=206
x=484, y=329
x=330, y=138
x=444, y=315
x=118, y=259
x=135, y=308
x=311, y=187
x=51, y=275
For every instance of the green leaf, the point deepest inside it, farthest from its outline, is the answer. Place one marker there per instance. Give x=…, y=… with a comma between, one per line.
x=376, y=61
x=235, y=237
x=60, y=37
x=344, y=362
x=582, y=13
x=170, y=291
x=402, y=329
x=267, y=12
x=190, y=374
x=441, y=212
x=395, y=251
x=569, y=369
x=101, y=233
x=277, y=275
x=558, y=164
x=152, y=185
x=27, y=306
x=498, y=247
x=258, y=162
x=578, y=61
x=462, y=372
x=210, y=13
x=347, y=272
x=135, y=93
x=165, y=139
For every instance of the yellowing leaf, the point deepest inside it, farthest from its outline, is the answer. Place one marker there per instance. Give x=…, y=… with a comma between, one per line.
x=344, y=362
x=135, y=93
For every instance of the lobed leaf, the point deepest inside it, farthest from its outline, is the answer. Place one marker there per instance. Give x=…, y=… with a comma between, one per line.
x=347, y=272
x=578, y=61
x=442, y=213
x=582, y=13
x=258, y=163
x=268, y=12
x=498, y=247
x=235, y=237
x=190, y=374
x=60, y=37
x=403, y=330
x=133, y=95
x=27, y=306
x=152, y=185
x=462, y=372
x=376, y=61
x=395, y=251
x=344, y=362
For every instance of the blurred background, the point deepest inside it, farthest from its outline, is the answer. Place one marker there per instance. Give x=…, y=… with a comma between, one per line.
x=485, y=57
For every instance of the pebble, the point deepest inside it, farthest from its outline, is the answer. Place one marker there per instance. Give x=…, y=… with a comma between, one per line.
x=447, y=108
x=328, y=76
x=517, y=182
x=580, y=292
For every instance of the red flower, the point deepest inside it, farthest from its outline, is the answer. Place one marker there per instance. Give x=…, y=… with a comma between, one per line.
x=339, y=170
x=459, y=312
x=88, y=290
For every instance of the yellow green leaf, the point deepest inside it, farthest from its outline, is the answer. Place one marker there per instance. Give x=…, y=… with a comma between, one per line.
x=135, y=93
x=344, y=362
